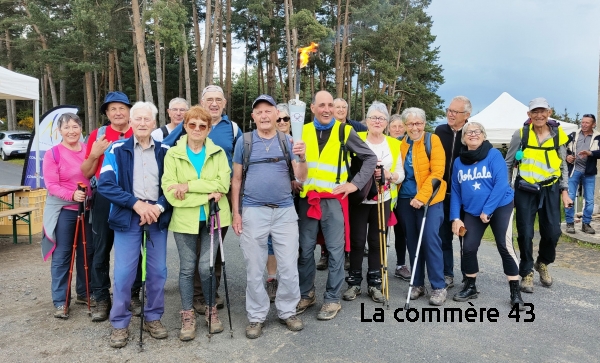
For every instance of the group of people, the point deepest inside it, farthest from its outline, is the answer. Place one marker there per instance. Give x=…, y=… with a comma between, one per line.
x=281, y=195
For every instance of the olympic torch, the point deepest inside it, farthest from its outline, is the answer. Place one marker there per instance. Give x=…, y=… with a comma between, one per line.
x=297, y=107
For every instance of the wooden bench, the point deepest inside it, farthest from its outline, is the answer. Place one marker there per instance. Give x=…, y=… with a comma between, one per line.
x=22, y=214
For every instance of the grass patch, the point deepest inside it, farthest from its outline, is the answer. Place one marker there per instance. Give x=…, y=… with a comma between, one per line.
x=567, y=239
x=17, y=161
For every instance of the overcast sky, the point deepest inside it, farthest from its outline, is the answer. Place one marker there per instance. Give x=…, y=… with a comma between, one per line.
x=528, y=48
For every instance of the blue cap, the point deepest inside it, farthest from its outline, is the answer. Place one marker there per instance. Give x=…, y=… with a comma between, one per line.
x=115, y=96
x=264, y=98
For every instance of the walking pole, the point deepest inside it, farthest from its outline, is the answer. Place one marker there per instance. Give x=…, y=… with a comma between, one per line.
x=144, y=242
x=75, y=238
x=435, y=184
x=211, y=269
x=81, y=220
x=214, y=208
x=382, y=237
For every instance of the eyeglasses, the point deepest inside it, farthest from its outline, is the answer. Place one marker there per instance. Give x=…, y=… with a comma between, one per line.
x=473, y=132
x=194, y=126
x=415, y=124
x=211, y=100
x=453, y=112
x=539, y=111
x=178, y=109
x=283, y=119
x=375, y=118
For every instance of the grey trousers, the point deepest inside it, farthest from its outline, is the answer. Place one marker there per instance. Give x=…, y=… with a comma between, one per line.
x=282, y=224
x=332, y=224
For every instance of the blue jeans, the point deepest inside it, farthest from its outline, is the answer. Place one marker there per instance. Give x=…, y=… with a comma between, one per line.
x=127, y=253
x=588, y=183
x=188, y=263
x=61, y=257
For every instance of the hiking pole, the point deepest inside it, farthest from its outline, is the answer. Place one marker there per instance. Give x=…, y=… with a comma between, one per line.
x=382, y=239
x=70, y=279
x=211, y=269
x=214, y=208
x=81, y=220
x=435, y=185
x=144, y=242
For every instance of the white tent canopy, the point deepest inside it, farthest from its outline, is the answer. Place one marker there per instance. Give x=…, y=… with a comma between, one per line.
x=505, y=115
x=15, y=86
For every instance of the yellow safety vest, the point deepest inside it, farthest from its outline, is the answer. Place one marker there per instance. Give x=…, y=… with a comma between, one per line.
x=323, y=168
x=394, y=145
x=541, y=162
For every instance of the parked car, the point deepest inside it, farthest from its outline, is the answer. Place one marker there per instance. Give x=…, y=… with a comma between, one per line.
x=13, y=143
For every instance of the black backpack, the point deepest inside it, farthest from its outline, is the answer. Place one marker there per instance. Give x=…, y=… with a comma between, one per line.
x=247, y=137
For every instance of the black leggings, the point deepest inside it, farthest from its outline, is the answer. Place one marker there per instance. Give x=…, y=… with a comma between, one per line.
x=501, y=223
x=360, y=216
x=400, y=237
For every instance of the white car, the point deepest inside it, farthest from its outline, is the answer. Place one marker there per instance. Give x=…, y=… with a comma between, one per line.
x=13, y=143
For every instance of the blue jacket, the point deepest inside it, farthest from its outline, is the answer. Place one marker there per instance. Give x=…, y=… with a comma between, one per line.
x=116, y=183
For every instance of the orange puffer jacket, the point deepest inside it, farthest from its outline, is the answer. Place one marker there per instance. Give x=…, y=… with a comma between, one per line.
x=425, y=169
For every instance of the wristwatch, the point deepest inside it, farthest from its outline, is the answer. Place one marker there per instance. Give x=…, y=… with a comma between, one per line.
x=160, y=208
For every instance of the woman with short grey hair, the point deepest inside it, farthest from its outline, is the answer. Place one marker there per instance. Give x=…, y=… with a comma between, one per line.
x=283, y=122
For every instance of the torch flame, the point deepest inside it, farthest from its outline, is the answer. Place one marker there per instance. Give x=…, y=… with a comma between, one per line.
x=304, y=53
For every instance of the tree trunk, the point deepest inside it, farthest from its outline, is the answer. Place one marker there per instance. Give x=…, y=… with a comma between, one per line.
x=159, y=81
x=291, y=73
x=245, y=84
x=111, y=71
x=89, y=94
x=11, y=112
x=340, y=47
x=62, y=86
x=198, y=49
x=118, y=69
x=228, y=56
x=141, y=51
x=259, y=69
x=221, y=49
x=136, y=74
x=96, y=97
x=186, y=71
x=44, y=95
x=206, y=51
x=180, y=78
x=272, y=59
x=348, y=82
x=213, y=42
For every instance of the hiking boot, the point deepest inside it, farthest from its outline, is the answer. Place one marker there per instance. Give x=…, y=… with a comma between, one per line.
x=329, y=311
x=469, y=291
x=323, y=263
x=527, y=283
x=215, y=323
x=219, y=301
x=586, y=228
x=346, y=261
x=188, y=325
x=254, y=330
x=417, y=292
x=545, y=277
x=59, y=312
x=305, y=303
x=515, y=294
x=293, y=323
x=101, y=311
x=449, y=280
x=156, y=329
x=82, y=299
x=402, y=272
x=119, y=338
x=438, y=297
x=135, y=305
x=272, y=285
x=571, y=228
x=351, y=293
x=375, y=294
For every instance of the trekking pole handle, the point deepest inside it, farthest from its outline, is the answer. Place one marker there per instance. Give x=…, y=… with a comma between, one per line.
x=435, y=185
x=381, y=180
x=213, y=207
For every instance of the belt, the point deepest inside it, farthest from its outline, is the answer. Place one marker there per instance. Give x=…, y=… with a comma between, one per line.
x=273, y=206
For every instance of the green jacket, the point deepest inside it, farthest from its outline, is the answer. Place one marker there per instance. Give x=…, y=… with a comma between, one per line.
x=215, y=177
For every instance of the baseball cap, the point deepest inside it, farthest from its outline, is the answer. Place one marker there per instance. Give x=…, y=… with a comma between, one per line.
x=115, y=96
x=539, y=102
x=265, y=98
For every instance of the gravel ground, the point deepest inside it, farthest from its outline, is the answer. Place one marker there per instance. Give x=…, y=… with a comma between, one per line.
x=565, y=328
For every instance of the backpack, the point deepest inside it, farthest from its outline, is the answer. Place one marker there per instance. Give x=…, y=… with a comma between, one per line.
x=165, y=131
x=525, y=140
x=247, y=136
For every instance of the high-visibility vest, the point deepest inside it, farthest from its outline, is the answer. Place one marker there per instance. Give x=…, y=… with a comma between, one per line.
x=323, y=167
x=394, y=145
x=541, y=162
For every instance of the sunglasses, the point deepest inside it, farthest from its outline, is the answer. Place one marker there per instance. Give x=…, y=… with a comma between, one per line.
x=283, y=119
x=193, y=126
